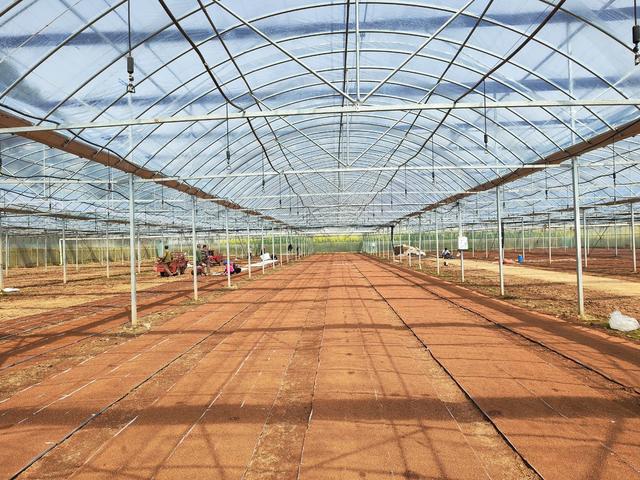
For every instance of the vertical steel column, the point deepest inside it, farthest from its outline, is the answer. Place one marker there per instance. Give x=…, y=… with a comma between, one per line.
x=248, y=252
x=139, y=253
x=132, y=253
x=615, y=236
x=460, y=235
x=586, y=239
x=1, y=269
x=633, y=239
x=500, y=248
x=46, y=252
x=549, y=236
x=409, y=242
x=273, y=250
x=77, y=261
x=226, y=228
x=420, y=242
x=280, y=247
x=486, y=244
x=106, y=239
x=194, y=248
x=435, y=215
x=523, y=257
x=6, y=254
x=473, y=242
x=262, y=246
x=63, y=253
x=578, y=240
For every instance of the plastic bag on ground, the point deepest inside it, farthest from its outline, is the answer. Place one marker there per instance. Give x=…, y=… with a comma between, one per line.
x=621, y=322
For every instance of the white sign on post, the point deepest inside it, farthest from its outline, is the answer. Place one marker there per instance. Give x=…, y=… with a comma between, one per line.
x=463, y=243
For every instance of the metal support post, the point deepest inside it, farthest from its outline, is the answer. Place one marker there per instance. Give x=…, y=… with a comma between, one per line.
x=633, y=239
x=194, y=249
x=1, y=269
x=226, y=228
x=106, y=239
x=578, y=240
x=435, y=215
x=139, y=253
x=523, y=256
x=420, y=242
x=132, y=253
x=262, y=247
x=549, y=236
x=500, y=247
x=273, y=250
x=586, y=240
x=63, y=254
x=248, y=252
x=461, y=251
x=77, y=251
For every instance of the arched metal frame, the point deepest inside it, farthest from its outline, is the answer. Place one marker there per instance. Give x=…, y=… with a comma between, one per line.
x=298, y=78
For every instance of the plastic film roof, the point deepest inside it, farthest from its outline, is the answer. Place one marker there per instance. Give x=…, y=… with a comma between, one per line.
x=64, y=61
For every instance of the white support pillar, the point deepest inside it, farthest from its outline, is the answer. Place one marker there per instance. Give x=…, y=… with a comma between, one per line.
x=523, y=255
x=473, y=242
x=486, y=244
x=409, y=241
x=549, y=236
x=633, y=239
x=226, y=228
x=63, y=253
x=249, y=251
x=108, y=253
x=420, y=242
x=578, y=240
x=615, y=236
x=1, y=269
x=6, y=254
x=139, y=253
x=500, y=249
x=586, y=240
x=132, y=253
x=273, y=250
x=77, y=252
x=262, y=246
x=460, y=235
x=194, y=249
x=46, y=252
x=435, y=215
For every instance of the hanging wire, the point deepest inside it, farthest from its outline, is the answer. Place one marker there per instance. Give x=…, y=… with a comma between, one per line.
x=433, y=163
x=130, y=63
x=546, y=184
x=405, y=179
x=484, y=101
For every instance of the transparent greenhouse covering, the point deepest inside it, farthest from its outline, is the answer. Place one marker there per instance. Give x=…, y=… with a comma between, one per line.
x=335, y=114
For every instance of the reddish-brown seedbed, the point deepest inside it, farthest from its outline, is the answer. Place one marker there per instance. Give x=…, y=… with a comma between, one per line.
x=337, y=366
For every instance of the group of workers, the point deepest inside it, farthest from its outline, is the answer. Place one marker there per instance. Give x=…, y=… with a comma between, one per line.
x=205, y=258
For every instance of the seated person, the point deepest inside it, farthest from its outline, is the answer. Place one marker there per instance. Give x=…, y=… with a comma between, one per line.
x=446, y=254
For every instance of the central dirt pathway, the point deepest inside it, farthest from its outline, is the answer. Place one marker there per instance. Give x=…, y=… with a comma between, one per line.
x=336, y=367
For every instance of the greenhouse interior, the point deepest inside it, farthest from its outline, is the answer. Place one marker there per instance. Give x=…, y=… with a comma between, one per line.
x=329, y=239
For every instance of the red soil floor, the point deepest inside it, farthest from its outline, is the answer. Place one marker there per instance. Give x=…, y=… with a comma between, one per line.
x=338, y=366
